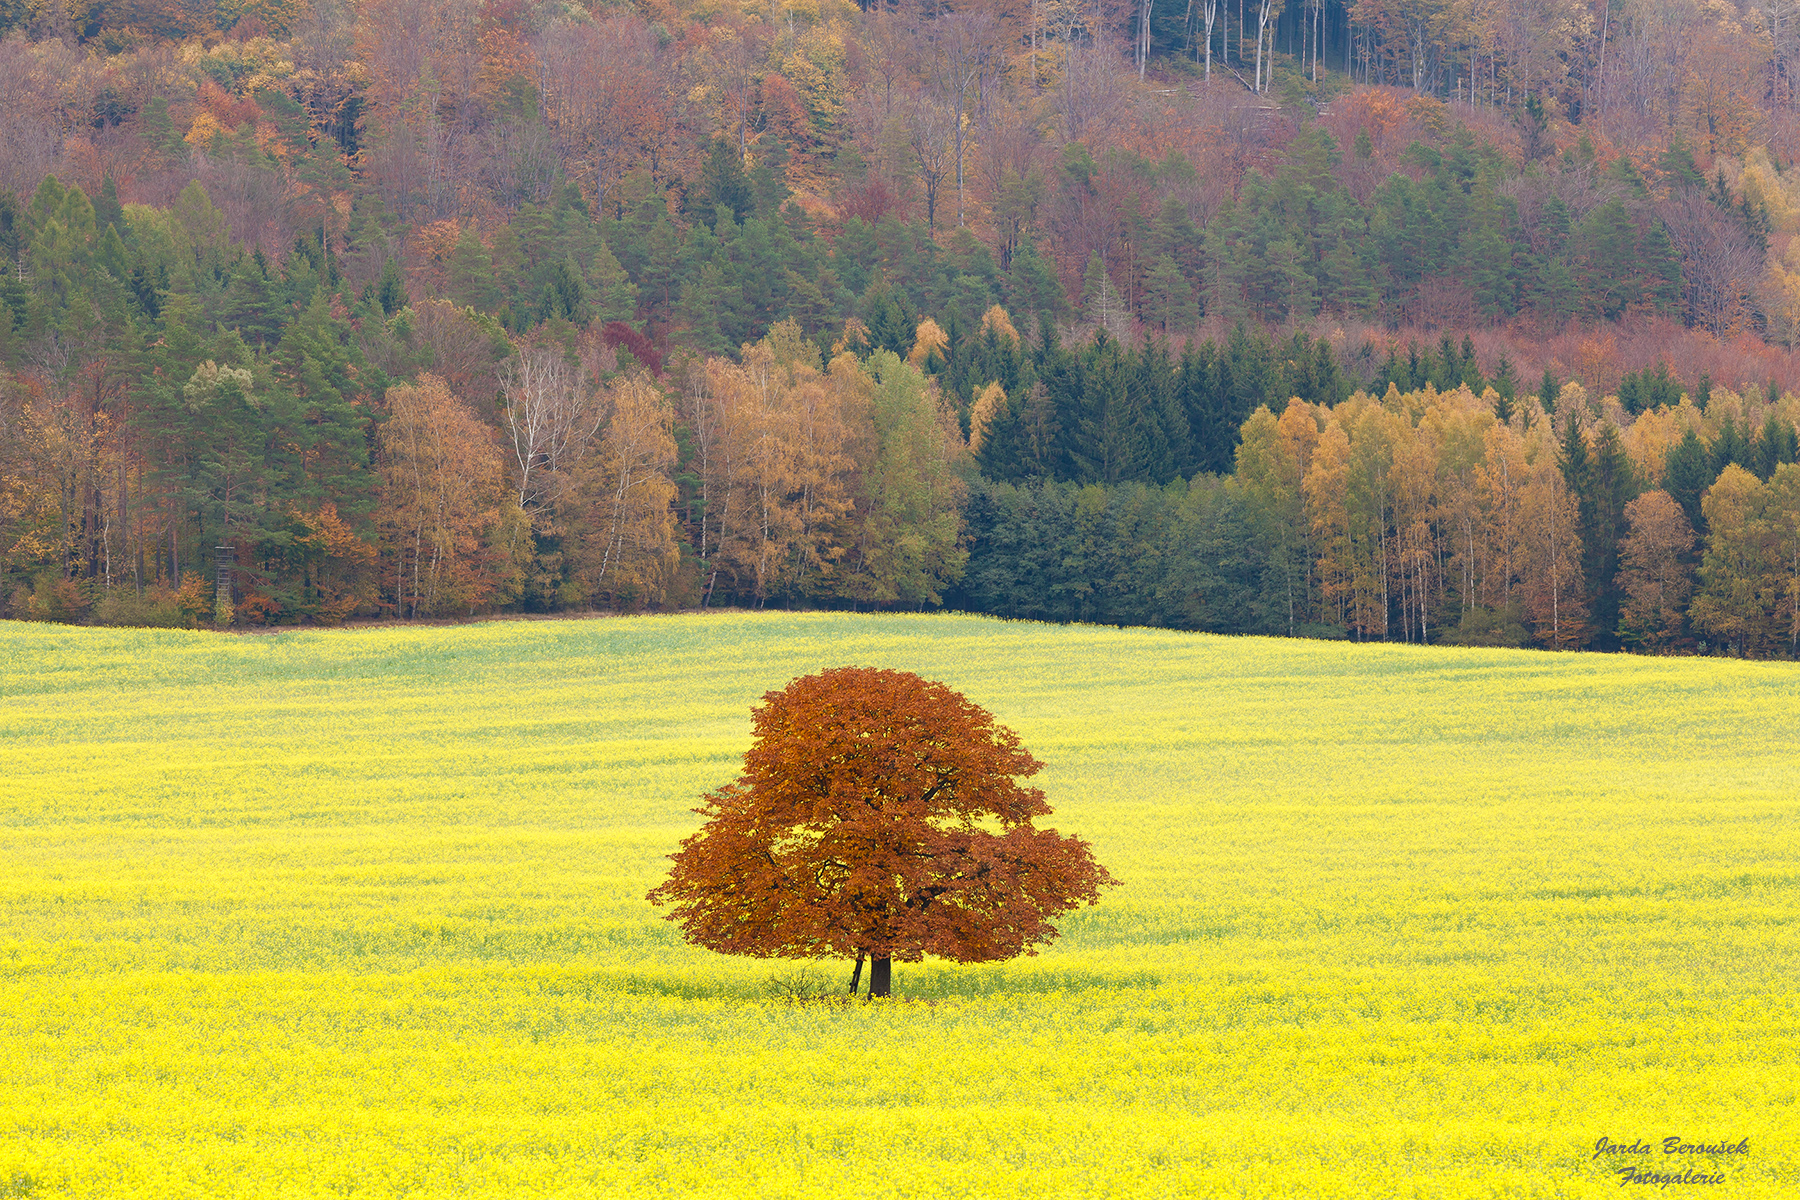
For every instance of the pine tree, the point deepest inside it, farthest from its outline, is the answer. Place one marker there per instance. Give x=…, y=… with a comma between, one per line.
x=1731, y=447
x=1226, y=255
x=1166, y=441
x=1295, y=291
x=1349, y=289
x=1447, y=372
x=1472, y=377
x=1168, y=298
x=1677, y=167
x=611, y=296
x=1116, y=435
x=1558, y=294
x=111, y=256
x=563, y=295
x=768, y=179
x=1607, y=485
x=698, y=311
x=1488, y=269
x=250, y=302
x=1205, y=386
x=1032, y=286
x=1505, y=381
x=724, y=188
x=1772, y=447
x=1609, y=270
x=892, y=322
x=12, y=231
x=1317, y=379
x=390, y=289
x=856, y=254
x=318, y=365
x=471, y=281
x=160, y=135
x=1630, y=398
x=1175, y=235
x=1687, y=473
x=106, y=206
x=1555, y=226
x=630, y=237
x=1660, y=265
x=661, y=281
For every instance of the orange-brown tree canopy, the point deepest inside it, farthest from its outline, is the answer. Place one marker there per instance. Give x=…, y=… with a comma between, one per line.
x=864, y=823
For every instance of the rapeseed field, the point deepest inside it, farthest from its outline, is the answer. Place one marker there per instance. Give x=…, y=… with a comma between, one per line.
x=361, y=914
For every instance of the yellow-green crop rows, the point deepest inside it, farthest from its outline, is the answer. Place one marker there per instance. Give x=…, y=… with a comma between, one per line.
x=361, y=914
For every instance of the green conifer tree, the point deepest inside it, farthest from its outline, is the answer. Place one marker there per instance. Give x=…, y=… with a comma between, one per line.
x=1032, y=287
x=106, y=206
x=471, y=270
x=723, y=184
x=1608, y=274
x=318, y=366
x=1661, y=269
x=1169, y=298
x=1687, y=473
x=611, y=296
x=697, y=312
x=250, y=301
x=390, y=289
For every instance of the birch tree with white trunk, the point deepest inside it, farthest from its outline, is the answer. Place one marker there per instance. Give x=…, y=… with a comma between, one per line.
x=551, y=418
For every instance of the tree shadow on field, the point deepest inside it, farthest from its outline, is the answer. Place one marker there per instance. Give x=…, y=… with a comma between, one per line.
x=829, y=979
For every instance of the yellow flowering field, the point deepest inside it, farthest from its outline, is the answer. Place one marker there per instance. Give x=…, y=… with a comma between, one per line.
x=361, y=914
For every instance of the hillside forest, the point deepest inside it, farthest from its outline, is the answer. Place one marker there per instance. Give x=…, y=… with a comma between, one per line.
x=1466, y=321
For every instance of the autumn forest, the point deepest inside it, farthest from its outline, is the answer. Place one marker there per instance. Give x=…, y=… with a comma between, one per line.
x=1448, y=321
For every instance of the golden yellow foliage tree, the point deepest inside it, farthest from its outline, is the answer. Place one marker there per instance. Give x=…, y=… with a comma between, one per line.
x=1272, y=463
x=626, y=527
x=1654, y=569
x=1782, y=505
x=930, y=339
x=990, y=400
x=1329, y=516
x=1550, y=544
x=1739, y=596
x=29, y=496
x=903, y=534
x=774, y=447
x=451, y=532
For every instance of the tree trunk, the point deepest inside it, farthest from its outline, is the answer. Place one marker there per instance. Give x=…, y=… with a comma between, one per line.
x=1143, y=47
x=881, y=976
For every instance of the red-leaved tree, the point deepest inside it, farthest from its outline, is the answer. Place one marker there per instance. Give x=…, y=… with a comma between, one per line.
x=862, y=825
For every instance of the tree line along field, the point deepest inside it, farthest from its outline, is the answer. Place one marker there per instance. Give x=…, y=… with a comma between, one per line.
x=361, y=913
x=430, y=312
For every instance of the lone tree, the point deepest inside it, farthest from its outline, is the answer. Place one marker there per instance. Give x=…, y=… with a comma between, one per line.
x=864, y=825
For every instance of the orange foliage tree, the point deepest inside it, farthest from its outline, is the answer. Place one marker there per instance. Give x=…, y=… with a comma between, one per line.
x=861, y=826
x=450, y=530
x=774, y=443
x=1654, y=569
x=628, y=549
